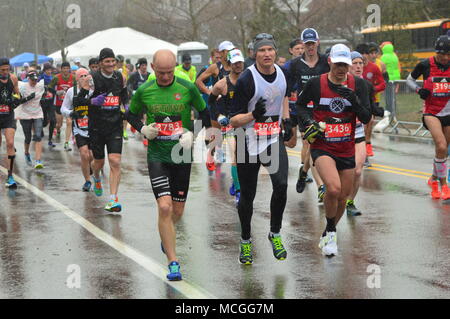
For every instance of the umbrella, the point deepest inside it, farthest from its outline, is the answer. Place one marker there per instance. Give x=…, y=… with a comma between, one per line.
x=28, y=57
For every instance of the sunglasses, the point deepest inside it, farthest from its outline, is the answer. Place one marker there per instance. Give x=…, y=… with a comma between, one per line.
x=263, y=36
x=83, y=76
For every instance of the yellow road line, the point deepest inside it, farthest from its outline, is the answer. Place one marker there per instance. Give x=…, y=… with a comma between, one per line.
x=398, y=173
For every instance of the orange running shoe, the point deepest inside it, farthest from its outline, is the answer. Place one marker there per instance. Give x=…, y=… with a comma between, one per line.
x=430, y=181
x=445, y=192
x=435, y=193
x=369, y=150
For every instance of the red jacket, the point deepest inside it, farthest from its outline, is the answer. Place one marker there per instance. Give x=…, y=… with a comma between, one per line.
x=373, y=74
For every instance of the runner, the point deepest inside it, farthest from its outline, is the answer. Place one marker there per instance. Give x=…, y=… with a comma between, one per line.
x=31, y=116
x=338, y=99
x=8, y=87
x=217, y=71
x=135, y=80
x=106, y=125
x=373, y=74
x=48, y=107
x=220, y=112
x=168, y=101
x=303, y=68
x=93, y=65
x=75, y=106
x=59, y=86
x=259, y=107
x=187, y=67
x=360, y=142
x=436, y=115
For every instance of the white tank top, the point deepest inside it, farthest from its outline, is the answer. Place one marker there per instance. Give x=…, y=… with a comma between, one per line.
x=274, y=93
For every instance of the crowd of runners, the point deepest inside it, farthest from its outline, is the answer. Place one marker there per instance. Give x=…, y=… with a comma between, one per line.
x=256, y=107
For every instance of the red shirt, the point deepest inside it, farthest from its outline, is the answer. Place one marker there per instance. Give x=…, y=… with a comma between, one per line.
x=373, y=74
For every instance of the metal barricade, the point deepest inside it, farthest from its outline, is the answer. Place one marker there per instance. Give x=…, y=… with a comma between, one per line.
x=406, y=110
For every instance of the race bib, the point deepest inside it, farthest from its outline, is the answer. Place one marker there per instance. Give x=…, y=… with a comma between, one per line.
x=268, y=126
x=83, y=123
x=169, y=127
x=4, y=109
x=338, y=130
x=441, y=87
x=111, y=103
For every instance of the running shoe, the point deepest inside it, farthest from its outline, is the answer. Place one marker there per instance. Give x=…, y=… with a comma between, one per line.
x=367, y=163
x=246, y=255
x=145, y=142
x=237, y=198
x=28, y=159
x=113, y=207
x=301, y=182
x=67, y=147
x=321, y=193
x=87, y=187
x=328, y=244
x=277, y=246
x=430, y=181
x=51, y=144
x=352, y=210
x=125, y=135
x=211, y=166
x=309, y=180
x=232, y=190
x=11, y=183
x=369, y=150
x=98, y=189
x=38, y=165
x=174, y=272
x=435, y=193
x=445, y=192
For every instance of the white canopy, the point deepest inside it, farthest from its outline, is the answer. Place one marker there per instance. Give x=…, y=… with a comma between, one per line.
x=192, y=46
x=128, y=42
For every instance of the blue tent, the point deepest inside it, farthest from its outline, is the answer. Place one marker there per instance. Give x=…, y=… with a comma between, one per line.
x=28, y=57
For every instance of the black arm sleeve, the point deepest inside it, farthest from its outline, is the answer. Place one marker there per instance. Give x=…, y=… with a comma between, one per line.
x=305, y=114
x=134, y=120
x=124, y=97
x=362, y=108
x=245, y=89
x=205, y=117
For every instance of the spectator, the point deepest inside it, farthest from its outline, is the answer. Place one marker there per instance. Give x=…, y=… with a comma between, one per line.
x=93, y=65
x=392, y=62
x=26, y=68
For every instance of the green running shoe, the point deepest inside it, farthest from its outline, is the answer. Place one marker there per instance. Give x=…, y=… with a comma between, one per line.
x=277, y=246
x=246, y=255
x=98, y=189
x=113, y=207
x=352, y=210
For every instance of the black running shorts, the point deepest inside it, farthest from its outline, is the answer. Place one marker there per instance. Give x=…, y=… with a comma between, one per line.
x=342, y=163
x=170, y=180
x=112, y=140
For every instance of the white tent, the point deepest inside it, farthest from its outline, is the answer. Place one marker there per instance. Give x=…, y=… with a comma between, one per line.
x=128, y=42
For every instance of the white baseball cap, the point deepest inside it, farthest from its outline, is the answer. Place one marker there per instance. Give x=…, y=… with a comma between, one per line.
x=26, y=65
x=226, y=45
x=340, y=53
x=77, y=60
x=235, y=56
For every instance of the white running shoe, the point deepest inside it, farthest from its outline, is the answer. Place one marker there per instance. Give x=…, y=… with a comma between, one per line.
x=328, y=244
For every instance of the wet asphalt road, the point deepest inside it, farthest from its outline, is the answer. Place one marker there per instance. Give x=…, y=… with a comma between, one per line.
x=398, y=248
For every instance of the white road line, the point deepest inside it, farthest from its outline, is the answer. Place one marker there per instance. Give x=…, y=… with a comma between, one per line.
x=189, y=290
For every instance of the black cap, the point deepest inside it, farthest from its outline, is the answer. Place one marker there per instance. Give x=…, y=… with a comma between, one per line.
x=65, y=65
x=443, y=44
x=120, y=58
x=362, y=48
x=141, y=61
x=4, y=61
x=186, y=58
x=295, y=42
x=93, y=61
x=106, y=53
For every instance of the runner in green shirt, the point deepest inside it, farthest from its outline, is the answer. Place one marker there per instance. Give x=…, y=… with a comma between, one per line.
x=168, y=101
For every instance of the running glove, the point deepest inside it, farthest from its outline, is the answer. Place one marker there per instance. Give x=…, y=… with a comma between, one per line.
x=150, y=131
x=223, y=120
x=186, y=140
x=98, y=100
x=348, y=94
x=424, y=93
x=313, y=131
x=287, y=125
x=260, y=108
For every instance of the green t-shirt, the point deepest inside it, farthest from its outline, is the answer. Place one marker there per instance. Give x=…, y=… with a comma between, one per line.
x=171, y=107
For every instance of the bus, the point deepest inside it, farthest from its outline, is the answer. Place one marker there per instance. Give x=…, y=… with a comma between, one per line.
x=422, y=35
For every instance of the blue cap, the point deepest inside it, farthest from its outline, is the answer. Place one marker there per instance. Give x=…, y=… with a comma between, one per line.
x=74, y=68
x=356, y=55
x=309, y=35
